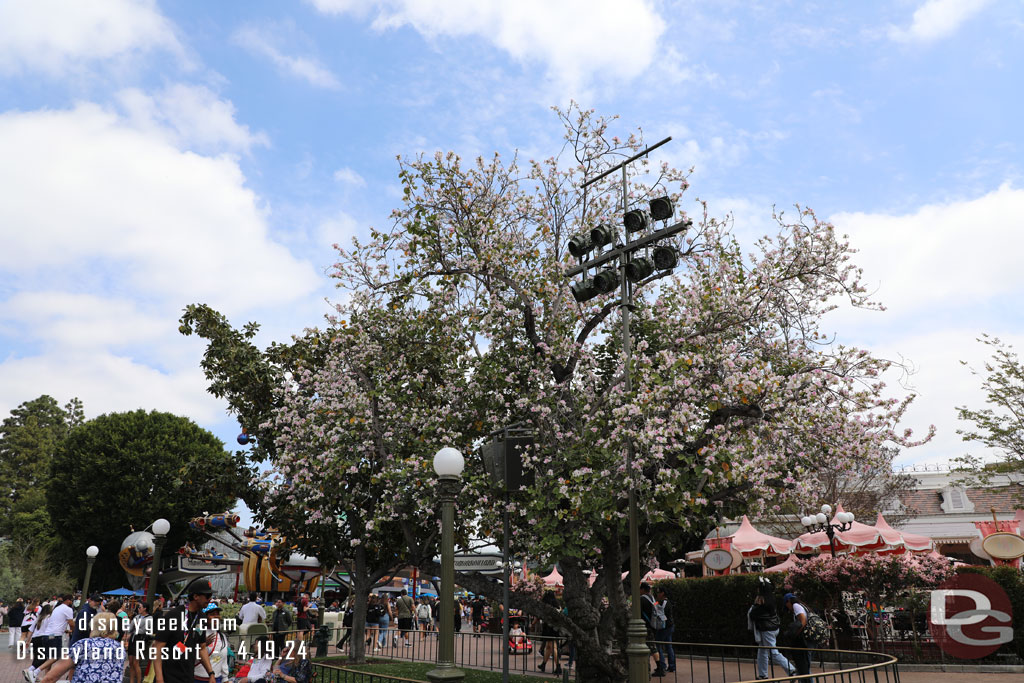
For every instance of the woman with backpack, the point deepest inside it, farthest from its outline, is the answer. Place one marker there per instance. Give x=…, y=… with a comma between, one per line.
x=423, y=618
x=807, y=630
x=763, y=620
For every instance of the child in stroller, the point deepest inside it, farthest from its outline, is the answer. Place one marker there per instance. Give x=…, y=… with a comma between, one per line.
x=518, y=643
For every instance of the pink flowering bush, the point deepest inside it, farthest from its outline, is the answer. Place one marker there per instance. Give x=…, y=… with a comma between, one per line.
x=821, y=580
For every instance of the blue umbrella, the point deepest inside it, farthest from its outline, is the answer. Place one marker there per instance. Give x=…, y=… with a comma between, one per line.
x=121, y=592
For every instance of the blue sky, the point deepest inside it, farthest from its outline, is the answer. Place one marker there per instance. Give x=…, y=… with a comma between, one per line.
x=157, y=154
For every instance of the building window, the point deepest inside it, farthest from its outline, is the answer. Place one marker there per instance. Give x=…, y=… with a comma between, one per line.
x=954, y=499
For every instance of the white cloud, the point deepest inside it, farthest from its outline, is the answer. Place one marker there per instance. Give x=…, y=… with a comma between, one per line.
x=90, y=197
x=947, y=273
x=577, y=39
x=83, y=321
x=338, y=6
x=952, y=254
x=189, y=116
x=308, y=69
x=937, y=19
x=349, y=176
x=55, y=36
x=109, y=228
x=337, y=229
x=106, y=383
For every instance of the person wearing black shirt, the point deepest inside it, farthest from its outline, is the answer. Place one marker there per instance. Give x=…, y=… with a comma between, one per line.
x=478, y=615
x=280, y=624
x=84, y=618
x=14, y=617
x=181, y=638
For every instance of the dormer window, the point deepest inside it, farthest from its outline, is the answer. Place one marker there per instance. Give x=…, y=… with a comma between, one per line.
x=893, y=505
x=954, y=499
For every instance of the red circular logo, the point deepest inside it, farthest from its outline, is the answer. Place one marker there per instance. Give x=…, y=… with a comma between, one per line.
x=970, y=616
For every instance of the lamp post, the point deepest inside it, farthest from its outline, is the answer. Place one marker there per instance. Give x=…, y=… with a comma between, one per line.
x=160, y=529
x=448, y=464
x=624, y=273
x=90, y=558
x=820, y=522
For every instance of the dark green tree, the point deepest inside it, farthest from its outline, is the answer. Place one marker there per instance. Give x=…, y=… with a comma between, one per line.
x=29, y=437
x=124, y=470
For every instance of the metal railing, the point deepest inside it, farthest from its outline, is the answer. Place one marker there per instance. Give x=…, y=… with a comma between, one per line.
x=737, y=664
x=693, y=661
x=328, y=673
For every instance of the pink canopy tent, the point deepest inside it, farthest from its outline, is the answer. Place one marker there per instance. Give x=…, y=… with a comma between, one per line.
x=658, y=575
x=749, y=542
x=654, y=575
x=790, y=563
x=861, y=538
x=554, y=579
x=902, y=541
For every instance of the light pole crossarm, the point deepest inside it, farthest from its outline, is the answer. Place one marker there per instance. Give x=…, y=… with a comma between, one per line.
x=615, y=253
x=628, y=161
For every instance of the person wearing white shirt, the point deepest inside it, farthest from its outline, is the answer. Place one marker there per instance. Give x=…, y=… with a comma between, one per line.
x=801, y=659
x=261, y=663
x=49, y=632
x=252, y=612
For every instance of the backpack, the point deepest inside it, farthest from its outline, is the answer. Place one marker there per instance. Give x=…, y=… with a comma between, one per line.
x=816, y=631
x=658, y=620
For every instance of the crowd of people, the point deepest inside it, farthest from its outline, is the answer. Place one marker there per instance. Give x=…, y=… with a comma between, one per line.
x=399, y=619
x=100, y=640
x=106, y=641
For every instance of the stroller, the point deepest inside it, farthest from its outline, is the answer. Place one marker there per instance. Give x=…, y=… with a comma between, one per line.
x=519, y=643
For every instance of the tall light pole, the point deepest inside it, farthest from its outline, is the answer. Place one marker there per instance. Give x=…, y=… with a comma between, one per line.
x=448, y=464
x=160, y=529
x=820, y=522
x=624, y=272
x=90, y=558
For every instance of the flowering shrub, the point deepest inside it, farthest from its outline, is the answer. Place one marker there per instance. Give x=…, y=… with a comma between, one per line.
x=532, y=586
x=822, y=579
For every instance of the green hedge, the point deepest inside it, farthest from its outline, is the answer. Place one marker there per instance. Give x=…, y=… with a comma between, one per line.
x=714, y=609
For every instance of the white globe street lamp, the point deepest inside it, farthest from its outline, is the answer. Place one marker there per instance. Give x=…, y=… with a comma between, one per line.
x=90, y=558
x=161, y=527
x=448, y=463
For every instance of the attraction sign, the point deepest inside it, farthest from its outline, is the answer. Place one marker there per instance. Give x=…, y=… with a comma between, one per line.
x=1004, y=545
x=718, y=559
x=489, y=563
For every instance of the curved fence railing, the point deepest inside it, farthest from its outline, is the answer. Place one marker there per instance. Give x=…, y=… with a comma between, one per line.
x=328, y=673
x=693, y=662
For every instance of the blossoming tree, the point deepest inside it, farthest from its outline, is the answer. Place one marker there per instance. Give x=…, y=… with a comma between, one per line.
x=348, y=419
x=737, y=394
x=458, y=320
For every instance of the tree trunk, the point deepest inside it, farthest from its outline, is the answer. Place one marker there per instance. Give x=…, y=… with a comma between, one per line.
x=361, y=587
x=594, y=660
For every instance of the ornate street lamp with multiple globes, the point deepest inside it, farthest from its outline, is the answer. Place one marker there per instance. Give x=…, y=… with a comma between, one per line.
x=160, y=529
x=448, y=463
x=820, y=522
